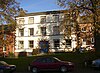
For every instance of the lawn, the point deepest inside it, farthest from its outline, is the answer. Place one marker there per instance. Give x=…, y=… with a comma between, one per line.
x=77, y=58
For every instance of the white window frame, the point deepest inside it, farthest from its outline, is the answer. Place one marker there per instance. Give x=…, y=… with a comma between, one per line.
x=43, y=19
x=56, y=30
x=31, y=20
x=43, y=31
x=31, y=45
x=21, y=44
x=31, y=31
x=21, y=21
x=56, y=45
x=21, y=32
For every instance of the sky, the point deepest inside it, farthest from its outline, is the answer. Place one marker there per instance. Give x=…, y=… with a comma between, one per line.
x=39, y=5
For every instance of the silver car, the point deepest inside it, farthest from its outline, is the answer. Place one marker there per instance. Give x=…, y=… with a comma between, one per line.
x=96, y=63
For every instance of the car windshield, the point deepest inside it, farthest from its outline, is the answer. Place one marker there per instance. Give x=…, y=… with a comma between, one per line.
x=4, y=63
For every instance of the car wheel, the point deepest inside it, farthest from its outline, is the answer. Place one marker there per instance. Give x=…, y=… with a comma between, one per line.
x=63, y=69
x=34, y=70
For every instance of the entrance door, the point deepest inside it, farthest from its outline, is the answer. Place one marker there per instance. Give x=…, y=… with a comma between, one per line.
x=44, y=46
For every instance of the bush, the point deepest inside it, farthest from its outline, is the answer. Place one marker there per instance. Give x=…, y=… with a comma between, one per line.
x=11, y=54
x=22, y=54
x=35, y=51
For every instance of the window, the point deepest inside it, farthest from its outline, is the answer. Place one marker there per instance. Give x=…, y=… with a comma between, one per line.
x=5, y=36
x=56, y=43
x=21, y=21
x=31, y=31
x=68, y=42
x=61, y=17
x=83, y=29
x=43, y=31
x=92, y=40
x=4, y=48
x=31, y=20
x=55, y=18
x=50, y=60
x=21, y=44
x=56, y=30
x=43, y=19
x=84, y=41
x=31, y=43
x=21, y=32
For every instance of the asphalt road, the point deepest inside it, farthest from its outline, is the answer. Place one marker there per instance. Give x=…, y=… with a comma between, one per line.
x=75, y=71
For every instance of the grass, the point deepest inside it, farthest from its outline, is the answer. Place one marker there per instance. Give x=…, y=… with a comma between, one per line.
x=77, y=58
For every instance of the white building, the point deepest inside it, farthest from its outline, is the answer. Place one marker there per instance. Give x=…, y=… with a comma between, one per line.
x=41, y=27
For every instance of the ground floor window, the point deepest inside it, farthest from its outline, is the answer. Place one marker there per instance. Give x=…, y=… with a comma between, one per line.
x=56, y=43
x=68, y=42
x=21, y=44
x=92, y=40
x=4, y=48
x=31, y=44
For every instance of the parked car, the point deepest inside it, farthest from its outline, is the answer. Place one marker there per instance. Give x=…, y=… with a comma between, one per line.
x=96, y=63
x=50, y=63
x=6, y=67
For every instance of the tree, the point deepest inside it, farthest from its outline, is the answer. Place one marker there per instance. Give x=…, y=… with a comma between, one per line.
x=86, y=8
x=8, y=10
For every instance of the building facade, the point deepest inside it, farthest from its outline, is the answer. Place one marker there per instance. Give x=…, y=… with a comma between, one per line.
x=42, y=30
x=7, y=41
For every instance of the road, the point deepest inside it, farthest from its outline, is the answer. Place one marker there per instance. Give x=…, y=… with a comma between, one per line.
x=75, y=71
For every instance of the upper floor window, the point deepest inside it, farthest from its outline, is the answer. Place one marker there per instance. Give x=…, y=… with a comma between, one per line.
x=31, y=31
x=56, y=30
x=21, y=44
x=43, y=19
x=31, y=44
x=55, y=18
x=21, y=32
x=31, y=20
x=21, y=21
x=61, y=17
x=43, y=31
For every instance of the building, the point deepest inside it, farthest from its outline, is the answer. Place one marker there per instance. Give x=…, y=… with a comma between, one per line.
x=7, y=39
x=41, y=30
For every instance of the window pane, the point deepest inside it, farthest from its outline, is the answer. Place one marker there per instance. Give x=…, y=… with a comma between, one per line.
x=4, y=48
x=68, y=42
x=56, y=30
x=21, y=21
x=31, y=44
x=43, y=31
x=55, y=18
x=21, y=32
x=21, y=44
x=31, y=31
x=56, y=43
x=43, y=19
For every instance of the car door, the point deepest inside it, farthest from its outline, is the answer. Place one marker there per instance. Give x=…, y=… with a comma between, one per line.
x=42, y=63
x=52, y=63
